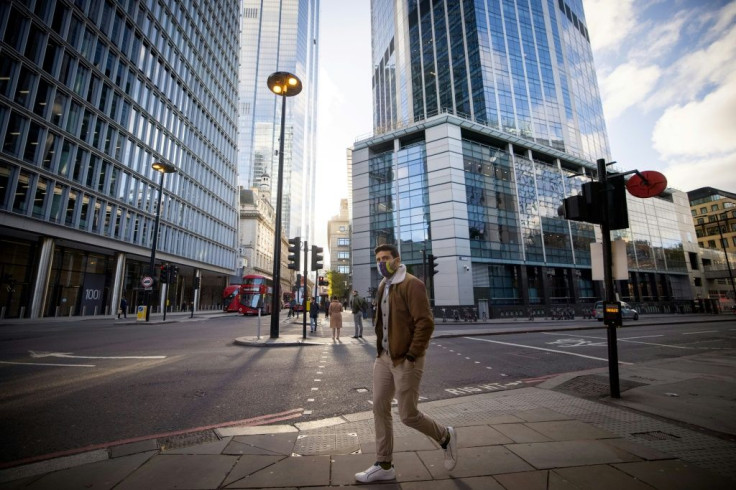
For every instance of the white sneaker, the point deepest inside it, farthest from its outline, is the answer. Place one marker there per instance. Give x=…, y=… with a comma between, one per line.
x=451, y=450
x=376, y=473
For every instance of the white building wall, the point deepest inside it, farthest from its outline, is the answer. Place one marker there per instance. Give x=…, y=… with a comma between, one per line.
x=453, y=285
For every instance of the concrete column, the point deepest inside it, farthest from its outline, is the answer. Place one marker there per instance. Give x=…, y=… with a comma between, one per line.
x=40, y=285
x=197, y=273
x=448, y=210
x=524, y=287
x=574, y=289
x=119, y=283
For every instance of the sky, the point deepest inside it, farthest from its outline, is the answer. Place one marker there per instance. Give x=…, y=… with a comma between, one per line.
x=666, y=71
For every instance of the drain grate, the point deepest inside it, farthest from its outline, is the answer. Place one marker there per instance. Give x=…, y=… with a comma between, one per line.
x=594, y=386
x=656, y=435
x=186, y=440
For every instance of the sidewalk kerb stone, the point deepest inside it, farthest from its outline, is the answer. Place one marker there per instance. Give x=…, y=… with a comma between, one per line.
x=251, y=430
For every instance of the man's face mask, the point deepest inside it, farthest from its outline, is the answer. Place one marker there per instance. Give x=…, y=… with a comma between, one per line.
x=386, y=269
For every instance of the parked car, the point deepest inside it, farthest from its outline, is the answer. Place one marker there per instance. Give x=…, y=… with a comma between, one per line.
x=627, y=312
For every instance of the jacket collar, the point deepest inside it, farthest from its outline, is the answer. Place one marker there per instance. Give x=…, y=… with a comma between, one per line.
x=398, y=276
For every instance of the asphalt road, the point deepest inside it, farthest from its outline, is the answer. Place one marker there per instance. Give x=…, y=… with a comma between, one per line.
x=72, y=385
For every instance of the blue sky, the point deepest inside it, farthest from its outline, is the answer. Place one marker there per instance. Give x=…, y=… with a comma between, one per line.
x=666, y=71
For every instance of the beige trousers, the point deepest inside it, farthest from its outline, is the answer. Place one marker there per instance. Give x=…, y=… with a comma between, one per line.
x=401, y=381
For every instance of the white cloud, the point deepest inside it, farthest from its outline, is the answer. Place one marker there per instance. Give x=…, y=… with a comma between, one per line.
x=703, y=127
x=609, y=22
x=689, y=174
x=659, y=38
x=627, y=86
x=688, y=76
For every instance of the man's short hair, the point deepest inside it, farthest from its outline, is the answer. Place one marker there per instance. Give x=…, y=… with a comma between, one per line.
x=387, y=248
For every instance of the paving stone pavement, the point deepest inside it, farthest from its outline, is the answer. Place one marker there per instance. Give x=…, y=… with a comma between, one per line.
x=529, y=438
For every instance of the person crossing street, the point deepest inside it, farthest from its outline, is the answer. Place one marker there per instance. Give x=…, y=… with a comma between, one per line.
x=404, y=325
x=356, y=304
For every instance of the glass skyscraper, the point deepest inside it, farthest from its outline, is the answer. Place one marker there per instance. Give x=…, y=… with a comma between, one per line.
x=487, y=115
x=279, y=36
x=92, y=93
x=523, y=67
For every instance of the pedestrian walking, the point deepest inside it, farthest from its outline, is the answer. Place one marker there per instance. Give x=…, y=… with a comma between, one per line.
x=404, y=325
x=313, y=315
x=357, y=307
x=335, y=311
x=123, y=308
x=292, y=306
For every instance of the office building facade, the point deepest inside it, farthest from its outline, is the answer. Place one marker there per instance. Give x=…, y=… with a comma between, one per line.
x=279, y=36
x=714, y=216
x=487, y=115
x=91, y=95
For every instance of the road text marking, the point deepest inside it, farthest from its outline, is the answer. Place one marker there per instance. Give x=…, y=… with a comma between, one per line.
x=546, y=350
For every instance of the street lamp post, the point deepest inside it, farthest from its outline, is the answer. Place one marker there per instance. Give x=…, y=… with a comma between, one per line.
x=286, y=85
x=163, y=168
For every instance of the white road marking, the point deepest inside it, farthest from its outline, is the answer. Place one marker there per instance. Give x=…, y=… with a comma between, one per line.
x=702, y=331
x=47, y=364
x=642, y=337
x=544, y=349
x=68, y=355
x=624, y=340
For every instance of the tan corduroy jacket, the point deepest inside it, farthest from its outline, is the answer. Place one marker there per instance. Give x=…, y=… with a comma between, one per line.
x=410, y=317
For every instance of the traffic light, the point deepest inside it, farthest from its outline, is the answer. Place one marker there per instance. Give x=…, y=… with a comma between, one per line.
x=317, y=258
x=433, y=265
x=164, y=276
x=322, y=281
x=294, y=245
x=173, y=273
x=196, y=282
x=588, y=206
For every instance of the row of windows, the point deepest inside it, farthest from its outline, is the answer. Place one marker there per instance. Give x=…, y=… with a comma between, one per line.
x=25, y=139
x=723, y=243
x=714, y=207
x=31, y=195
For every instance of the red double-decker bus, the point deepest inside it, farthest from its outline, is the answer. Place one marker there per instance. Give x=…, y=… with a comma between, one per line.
x=231, y=298
x=256, y=291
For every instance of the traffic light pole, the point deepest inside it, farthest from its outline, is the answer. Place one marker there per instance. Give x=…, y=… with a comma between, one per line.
x=304, y=294
x=608, y=281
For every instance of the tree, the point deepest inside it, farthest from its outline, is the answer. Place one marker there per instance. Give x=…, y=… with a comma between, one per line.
x=339, y=284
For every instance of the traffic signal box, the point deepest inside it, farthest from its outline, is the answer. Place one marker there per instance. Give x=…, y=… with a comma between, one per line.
x=317, y=258
x=164, y=276
x=588, y=206
x=612, y=313
x=433, y=265
x=294, y=245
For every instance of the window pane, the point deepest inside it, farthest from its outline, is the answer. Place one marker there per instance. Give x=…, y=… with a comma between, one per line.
x=20, y=202
x=38, y=200
x=11, y=145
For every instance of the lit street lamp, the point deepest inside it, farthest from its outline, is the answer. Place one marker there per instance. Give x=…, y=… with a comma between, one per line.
x=286, y=85
x=164, y=168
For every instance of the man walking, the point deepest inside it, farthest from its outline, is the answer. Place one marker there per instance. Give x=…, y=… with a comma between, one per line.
x=123, y=307
x=357, y=307
x=404, y=325
x=313, y=315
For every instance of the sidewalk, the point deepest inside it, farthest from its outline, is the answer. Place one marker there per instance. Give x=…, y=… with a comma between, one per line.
x=557, y=435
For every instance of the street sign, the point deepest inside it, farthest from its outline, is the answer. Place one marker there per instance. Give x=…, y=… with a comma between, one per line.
x=648, y=183
x=147, y=281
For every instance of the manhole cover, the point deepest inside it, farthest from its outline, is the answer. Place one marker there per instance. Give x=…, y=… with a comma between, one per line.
x=656, y=435
x=594, y=386
x=186, y=440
